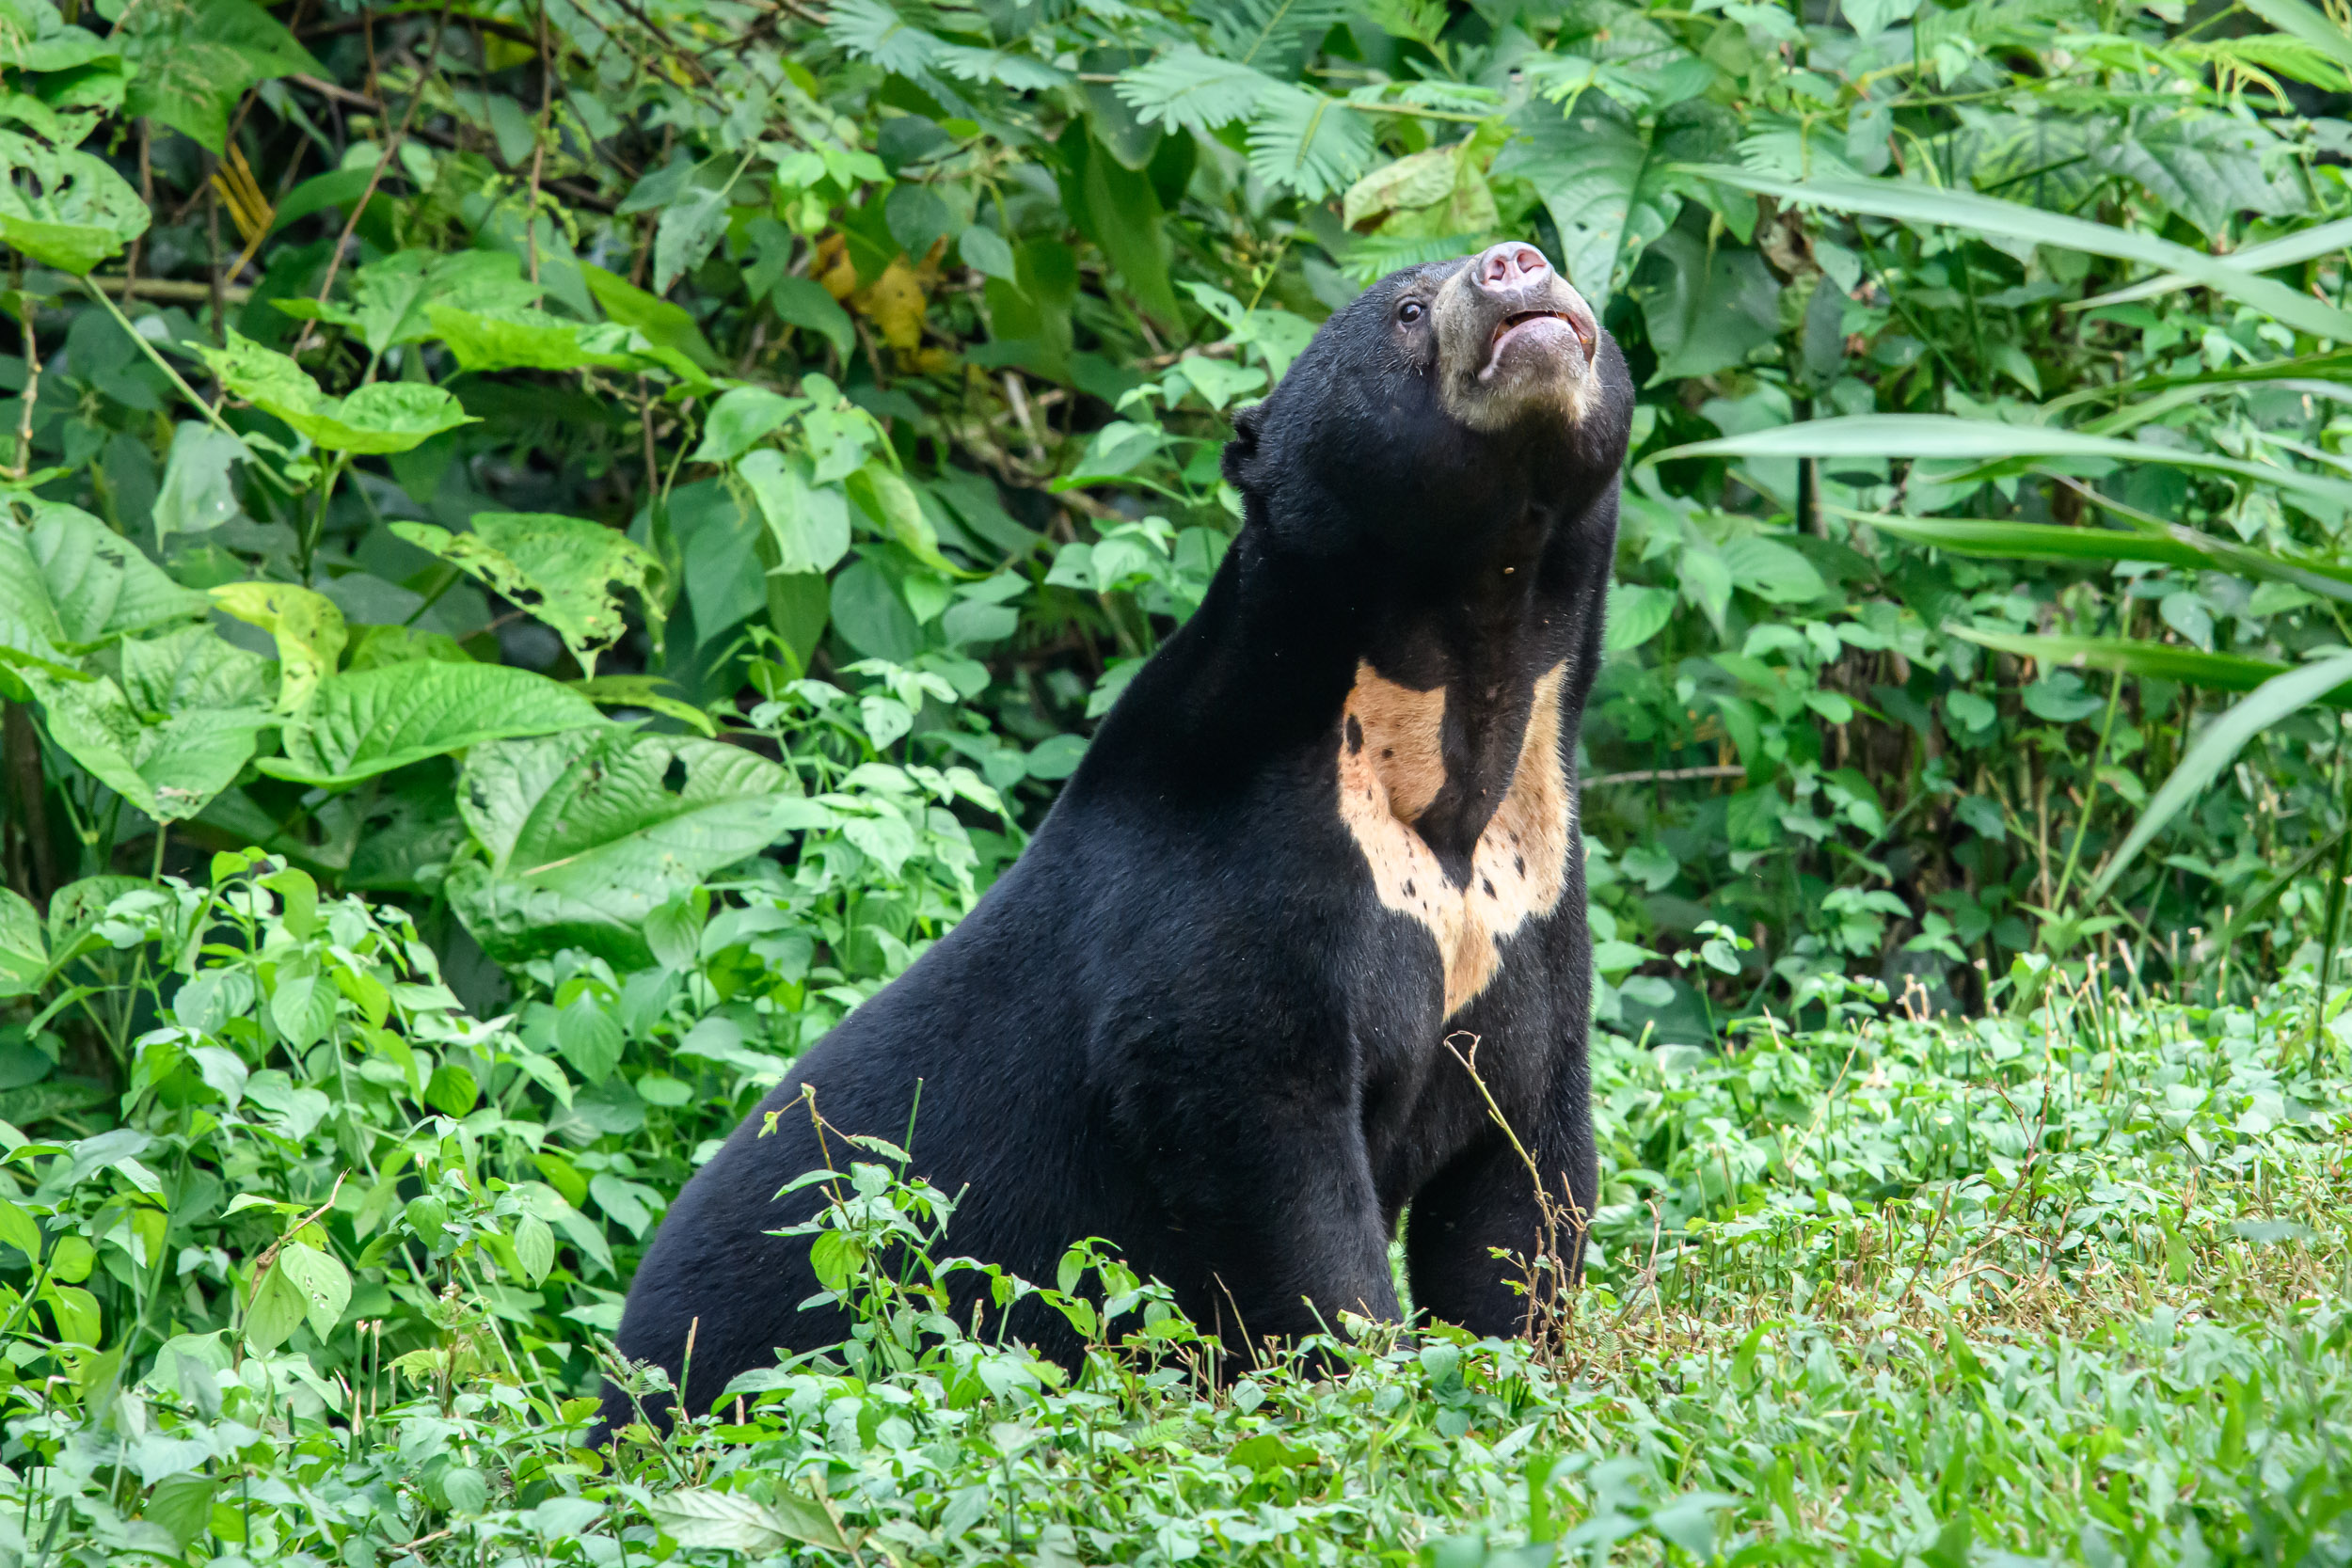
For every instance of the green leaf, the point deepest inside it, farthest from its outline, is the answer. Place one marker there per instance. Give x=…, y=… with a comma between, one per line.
x=181, y=1506
x=741, y=418
x=324, y=1284
x=380, y=418
x=1636, y=614
x=562, y=569
x=194, y=667
x=802, y=302
x=1946, y=437
x=588, y=831
x=534, y=1247
x=370, y=721
x=2169, y=661
x=308, y=628
x=171, y=769
x=1133, y=231
x=1711, y=307
x=197, y=58
x=2218, y=745
x=276, y=1309
x=664, y=325
x=102, y=585
x=1608, y=187
x=519, y=338
x=1987, y=215
x=589, y=1038
x=885, y=497
x=24, y=960
x=733, y=1521
x=197, y=492
x=2035, y=541
x=393, y=300
x=84, y=212
x=810, y=523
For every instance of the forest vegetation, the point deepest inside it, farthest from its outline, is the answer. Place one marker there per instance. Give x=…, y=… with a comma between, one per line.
x=549, y=548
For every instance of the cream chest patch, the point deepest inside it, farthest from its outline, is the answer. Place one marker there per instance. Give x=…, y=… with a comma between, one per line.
x=1392, y=766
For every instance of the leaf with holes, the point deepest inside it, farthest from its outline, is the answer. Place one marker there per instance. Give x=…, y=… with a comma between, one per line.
x=370, y=721
x=562, y=569
x=65, y=209
x=588, y=831
x=308, y=628
x=170, y=771
x=381, y=418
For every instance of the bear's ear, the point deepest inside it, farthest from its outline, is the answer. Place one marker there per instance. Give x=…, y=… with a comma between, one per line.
x=1241, y=452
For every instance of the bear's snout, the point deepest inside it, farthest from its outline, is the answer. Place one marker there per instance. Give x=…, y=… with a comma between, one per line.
x=1514, y=340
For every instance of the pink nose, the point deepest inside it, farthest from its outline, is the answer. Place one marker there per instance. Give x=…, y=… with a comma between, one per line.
x=1509, y=264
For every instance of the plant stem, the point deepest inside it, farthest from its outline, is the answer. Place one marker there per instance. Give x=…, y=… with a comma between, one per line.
x=2090, y=790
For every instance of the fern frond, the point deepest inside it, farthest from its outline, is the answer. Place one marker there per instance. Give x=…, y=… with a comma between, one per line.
x=1185, y=89
x=1302, y=141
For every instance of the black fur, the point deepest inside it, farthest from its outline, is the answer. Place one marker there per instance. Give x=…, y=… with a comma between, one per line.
x=1182, y=1021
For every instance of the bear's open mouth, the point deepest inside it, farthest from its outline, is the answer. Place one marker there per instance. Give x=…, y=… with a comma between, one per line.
x=1518, y=319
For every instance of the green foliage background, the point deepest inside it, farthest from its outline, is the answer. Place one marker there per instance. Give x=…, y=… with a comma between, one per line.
x=551, y=547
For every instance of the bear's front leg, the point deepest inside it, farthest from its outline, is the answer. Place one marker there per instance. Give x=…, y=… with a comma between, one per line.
x=1487, y=1201
x=1274, y=1226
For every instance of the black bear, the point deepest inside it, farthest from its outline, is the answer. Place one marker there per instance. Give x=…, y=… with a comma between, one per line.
x=1330, y=826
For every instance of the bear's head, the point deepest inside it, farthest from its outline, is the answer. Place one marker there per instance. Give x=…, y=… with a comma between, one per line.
x=1442, y=402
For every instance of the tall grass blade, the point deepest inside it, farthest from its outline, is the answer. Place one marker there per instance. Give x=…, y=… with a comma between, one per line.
x=2218, y=746
x=1947, y=436
x=1984, y=215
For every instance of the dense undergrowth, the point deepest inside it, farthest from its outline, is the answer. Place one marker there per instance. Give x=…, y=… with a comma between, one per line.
x=2072, y=1287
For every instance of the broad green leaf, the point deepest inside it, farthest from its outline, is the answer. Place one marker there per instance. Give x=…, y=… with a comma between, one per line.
x=276, y=1309
x=734, y=1521
x=197, y=493
x=2175, y=545
x=885, y=497
x=323, y=1282
x=1944, y=435
x=802, y=302
x=645, y=691
x=521, y=339
x=1636, y=614
x=562, y=569
x=1984, y=215
x=393, y=301
x=664, y=325
x=197, y=58
x=2216, y=746
x=741, y=418
x=308, y=628
x=182, y=1506
x=2035, y=541
x=170, y=769
x=369, y=722
x=29, y=629
x=1710, y=308
x=192, y=668
x=2305, y=23
x=588, y=831
x=24, y=960
x=534, y=1247
x=380, y=418
x=84, y=213
x=102, y=586
x=810, y=523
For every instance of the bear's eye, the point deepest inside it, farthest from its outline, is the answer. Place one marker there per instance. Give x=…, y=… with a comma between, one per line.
x=1410, y=311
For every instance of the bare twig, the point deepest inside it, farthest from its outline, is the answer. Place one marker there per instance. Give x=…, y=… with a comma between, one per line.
x=375, y=177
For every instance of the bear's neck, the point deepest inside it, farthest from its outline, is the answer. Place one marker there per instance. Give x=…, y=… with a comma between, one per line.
x=1263, y=674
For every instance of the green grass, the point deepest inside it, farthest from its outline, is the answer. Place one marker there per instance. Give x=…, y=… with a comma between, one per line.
x=2070, y=1288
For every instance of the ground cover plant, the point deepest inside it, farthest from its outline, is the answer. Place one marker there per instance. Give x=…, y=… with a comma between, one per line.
x=549, y=548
